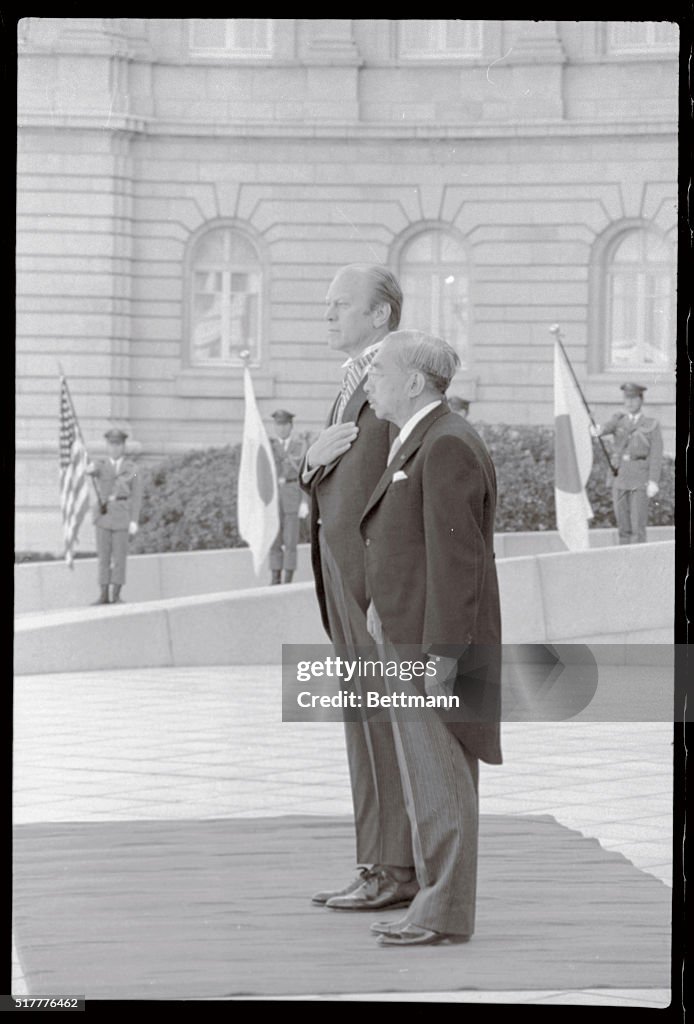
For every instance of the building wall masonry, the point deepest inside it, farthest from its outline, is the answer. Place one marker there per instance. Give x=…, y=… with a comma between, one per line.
x=337, y=149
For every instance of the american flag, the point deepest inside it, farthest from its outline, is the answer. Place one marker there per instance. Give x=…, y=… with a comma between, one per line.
x=74, y=491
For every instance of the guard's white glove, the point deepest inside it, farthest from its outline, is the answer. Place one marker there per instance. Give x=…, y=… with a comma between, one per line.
x=303, y=510
x=595, y=430
x=652, y=488
x=132, y=529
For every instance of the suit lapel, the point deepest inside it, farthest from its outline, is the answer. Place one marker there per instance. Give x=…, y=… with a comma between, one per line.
x=352, y=410
x=355, y=404
x=408, y=449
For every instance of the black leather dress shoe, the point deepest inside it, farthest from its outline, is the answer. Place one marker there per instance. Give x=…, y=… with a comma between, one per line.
x=387, y=927
x=378, y=891
x=324, y=895
x=413, y=935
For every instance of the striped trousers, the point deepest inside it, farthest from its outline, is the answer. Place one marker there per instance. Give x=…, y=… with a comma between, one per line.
x=440, y=783
x=382, y=826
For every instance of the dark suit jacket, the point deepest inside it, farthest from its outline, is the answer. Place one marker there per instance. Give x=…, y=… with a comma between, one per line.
x=339, y=494
x=428, y=544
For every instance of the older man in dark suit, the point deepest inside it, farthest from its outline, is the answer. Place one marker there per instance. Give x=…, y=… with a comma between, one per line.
x=428, y=534
x=340, y=471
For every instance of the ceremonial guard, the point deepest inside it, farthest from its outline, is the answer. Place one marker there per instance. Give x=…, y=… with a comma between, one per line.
x=119, y=489
x=289, y=453
x=638, y=449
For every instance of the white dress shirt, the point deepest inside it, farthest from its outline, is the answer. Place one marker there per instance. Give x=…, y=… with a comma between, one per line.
x=408, y=427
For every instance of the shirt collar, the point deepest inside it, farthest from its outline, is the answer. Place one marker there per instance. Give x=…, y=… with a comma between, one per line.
x=369, y=352
x=407, y=429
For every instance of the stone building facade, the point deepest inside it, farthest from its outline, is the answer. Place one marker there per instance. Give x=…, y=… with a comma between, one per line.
x=188, y=187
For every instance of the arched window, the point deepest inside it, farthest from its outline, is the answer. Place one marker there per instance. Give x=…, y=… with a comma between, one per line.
x=434, y=280
x=226, y=278
x=640, y=287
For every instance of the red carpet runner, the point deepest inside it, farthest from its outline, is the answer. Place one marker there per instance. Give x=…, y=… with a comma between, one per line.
x=195, y=909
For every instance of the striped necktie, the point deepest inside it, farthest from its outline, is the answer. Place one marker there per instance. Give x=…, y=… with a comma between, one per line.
x=350, y=382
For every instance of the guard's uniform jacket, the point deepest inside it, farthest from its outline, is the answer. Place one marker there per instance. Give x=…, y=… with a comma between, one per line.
x=120, y=493
x=288, y=466
x=638, y=451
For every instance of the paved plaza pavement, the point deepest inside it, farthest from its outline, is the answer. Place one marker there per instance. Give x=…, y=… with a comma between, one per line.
x=192, y=743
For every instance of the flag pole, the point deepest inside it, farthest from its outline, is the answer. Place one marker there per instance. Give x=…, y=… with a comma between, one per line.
x=555, y=329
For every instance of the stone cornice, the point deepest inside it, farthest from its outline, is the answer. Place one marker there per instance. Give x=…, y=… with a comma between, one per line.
x=325, y=129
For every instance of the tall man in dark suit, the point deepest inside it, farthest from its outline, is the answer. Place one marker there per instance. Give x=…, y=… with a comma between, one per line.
x=428, y=534
x=289, y=454
x=341, y=469
x=119, y=487
x=638, y=447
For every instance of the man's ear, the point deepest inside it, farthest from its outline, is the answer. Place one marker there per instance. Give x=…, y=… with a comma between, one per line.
x=416, y=385
x=380, y=314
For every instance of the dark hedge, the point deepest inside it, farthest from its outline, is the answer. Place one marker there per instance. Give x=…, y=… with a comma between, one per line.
x=190, y=500
x=524, y=461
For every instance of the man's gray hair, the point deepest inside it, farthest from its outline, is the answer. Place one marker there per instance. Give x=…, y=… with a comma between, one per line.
x=432, y=356
x=384, y=288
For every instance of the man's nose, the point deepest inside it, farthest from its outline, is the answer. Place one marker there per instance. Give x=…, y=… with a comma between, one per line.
x=330, y=313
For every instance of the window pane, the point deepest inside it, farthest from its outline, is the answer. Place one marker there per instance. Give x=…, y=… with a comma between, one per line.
x=207, y=316
x=240, y=249
x=433, y=275
x=451, y=250
x=243, y=320
x=240, y=36
x=447, y=38
x=623, y=321
x=418, y=36
x=463, y=36
x=210, y=248
x=629, y=249
x=641, y=288
x=251, y=34
x=225, y=300
x=642, y=35
x=437, y=306
x=420, y=249
x=418, y=307
x=454, y=313
x=665, y=34
x=208, y=33
x=658, y=343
